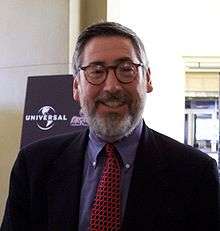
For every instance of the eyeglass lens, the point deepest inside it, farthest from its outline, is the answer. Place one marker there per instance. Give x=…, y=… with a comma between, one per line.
x=124, y=71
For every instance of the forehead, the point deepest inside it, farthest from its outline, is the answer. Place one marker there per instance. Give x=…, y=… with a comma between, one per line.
x=108, y=49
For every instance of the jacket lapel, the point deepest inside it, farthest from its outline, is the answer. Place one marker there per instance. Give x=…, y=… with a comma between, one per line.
x=64, y=186
x=147, y=185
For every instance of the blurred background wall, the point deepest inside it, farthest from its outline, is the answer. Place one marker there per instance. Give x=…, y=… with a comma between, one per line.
x=33, y=41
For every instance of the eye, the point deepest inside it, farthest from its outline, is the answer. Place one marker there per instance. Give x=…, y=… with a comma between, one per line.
x=126, y=67
x=96, y=69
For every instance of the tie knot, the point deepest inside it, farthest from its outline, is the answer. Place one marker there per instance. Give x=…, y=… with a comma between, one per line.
x=110, y=150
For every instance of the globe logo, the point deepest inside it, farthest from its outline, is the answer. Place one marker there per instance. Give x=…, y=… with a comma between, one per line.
x=47, y=122
x=45, y=118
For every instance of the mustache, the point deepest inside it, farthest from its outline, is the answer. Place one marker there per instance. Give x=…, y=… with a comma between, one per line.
x=119, y=97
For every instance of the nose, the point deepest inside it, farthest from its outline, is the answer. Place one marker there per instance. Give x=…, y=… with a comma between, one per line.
x=111, y=83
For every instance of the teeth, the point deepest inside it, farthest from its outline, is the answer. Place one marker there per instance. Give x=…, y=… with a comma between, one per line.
x=113, y=103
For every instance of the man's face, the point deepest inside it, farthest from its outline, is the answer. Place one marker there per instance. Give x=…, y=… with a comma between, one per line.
x=112, y=109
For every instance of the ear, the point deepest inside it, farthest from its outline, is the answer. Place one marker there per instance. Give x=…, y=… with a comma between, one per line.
x=149, y=87
x=76, y=88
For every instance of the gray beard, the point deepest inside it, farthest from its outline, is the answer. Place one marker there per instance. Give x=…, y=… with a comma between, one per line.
x=112, y=127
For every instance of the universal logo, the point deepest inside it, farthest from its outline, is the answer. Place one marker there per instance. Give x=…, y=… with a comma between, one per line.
x=46, y=117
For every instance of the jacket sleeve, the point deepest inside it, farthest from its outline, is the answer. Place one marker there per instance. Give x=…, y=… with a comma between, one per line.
x=207, y=200
x=17, y=216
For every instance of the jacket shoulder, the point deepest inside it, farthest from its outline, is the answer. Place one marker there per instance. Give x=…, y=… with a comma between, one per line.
x=177, y=151
x=46, y=151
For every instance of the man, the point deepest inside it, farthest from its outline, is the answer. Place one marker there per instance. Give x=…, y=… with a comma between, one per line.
x=118, y=174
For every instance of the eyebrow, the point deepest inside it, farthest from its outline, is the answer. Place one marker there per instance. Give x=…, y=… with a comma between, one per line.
x=114, y=62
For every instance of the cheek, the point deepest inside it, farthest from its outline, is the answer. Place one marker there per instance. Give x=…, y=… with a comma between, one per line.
x=90, y=94
x=136, y=95
x=135, y=92
x=87, y=96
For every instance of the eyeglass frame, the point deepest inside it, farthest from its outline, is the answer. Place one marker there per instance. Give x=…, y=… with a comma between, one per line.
x=114, y=67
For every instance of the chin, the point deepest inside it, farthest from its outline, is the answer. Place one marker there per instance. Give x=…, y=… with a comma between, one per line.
x=112, y=127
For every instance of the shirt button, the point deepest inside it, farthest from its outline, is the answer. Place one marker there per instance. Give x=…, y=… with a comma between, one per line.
x=94, y=164
x=127, y=166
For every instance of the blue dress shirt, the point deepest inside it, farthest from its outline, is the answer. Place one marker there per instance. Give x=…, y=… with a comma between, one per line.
x=93, y=166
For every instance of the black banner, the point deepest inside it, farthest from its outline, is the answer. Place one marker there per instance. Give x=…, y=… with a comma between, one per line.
x=49, y=108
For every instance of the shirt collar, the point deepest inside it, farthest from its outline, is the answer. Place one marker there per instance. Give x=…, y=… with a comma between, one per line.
x=126, y=147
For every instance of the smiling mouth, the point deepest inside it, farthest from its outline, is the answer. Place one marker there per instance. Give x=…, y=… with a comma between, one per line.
x=113, y=104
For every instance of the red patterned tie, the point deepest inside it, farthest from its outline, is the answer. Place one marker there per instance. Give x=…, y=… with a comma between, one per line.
x=106, y=212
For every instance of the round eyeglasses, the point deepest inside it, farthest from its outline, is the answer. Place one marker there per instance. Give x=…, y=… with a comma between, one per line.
x=125, y=72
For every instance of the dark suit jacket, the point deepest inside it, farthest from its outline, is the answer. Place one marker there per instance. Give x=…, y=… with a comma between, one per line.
x=173, y=187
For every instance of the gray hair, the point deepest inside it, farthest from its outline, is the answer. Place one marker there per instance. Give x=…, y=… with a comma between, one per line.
x=107, y=29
